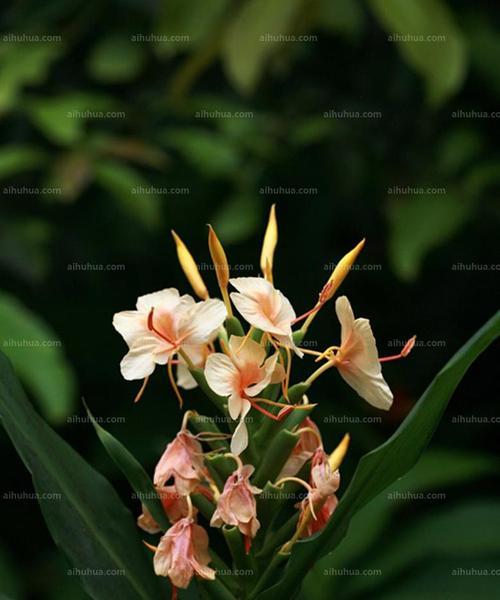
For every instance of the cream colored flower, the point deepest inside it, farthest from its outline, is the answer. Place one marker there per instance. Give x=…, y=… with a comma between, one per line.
x=265, y=308
x=164, y=323
x=240, y=377
x=357, y=359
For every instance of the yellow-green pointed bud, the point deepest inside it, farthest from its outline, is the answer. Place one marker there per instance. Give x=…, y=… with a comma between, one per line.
x=221, y=266
x=269, y=245
x=190, y=268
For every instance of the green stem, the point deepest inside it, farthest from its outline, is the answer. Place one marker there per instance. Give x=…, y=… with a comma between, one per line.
x=268, y=574
x=275, y=457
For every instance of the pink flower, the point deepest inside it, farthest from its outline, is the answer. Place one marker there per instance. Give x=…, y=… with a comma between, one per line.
x=357, y=359
x=182, y=460
x=265, y=307
x=182, y=553
x=309, y=442
x=236, y=505
x=175, y=506
x=240, y=376
x=163, y=323
x=324, y=483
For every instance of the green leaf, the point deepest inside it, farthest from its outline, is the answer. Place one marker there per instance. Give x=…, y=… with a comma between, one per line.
x=247, y=48
x=185, y=25
x=131, y=191
x=115, y=59
x=62, y=118
x=421, y=222
x=239, y=218
x=35, y=351
x=467, y=529
x=16, y=159
x=210, y=152
x=441, y=58
x=83, y=512
x=384, y=465
x=436, y=470
x=132, y=469
x=23, y=64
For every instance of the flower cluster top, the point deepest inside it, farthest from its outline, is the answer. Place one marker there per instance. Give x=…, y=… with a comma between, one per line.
x=241, y=371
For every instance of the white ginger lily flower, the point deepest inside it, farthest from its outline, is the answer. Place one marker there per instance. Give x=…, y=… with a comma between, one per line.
x=357, y=360
x=163, y=324
x=265, y=307
x=240, y=377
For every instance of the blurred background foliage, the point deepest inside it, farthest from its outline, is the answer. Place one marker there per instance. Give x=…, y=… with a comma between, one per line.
x=133, y=118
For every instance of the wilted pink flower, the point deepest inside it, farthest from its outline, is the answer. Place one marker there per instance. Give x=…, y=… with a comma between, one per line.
x=182, y=460
x=236, y=505
x=309, y=442
x=163, y=323
x=241, y=376
x=182, y=553
x=174, y=504
x=324, y=483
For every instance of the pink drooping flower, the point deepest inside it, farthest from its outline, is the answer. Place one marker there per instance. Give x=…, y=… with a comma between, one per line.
x=240, y=377
x=265, y=307
x=174, y=504
x=182, y=553
x=182, y=460
x=164, y=323
x=324, y=483
x=236, y=505
x=357, y=360
x=309, y=442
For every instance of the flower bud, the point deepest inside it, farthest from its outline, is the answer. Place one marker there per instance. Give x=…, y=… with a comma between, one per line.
x=269, y=245
x=190, y=268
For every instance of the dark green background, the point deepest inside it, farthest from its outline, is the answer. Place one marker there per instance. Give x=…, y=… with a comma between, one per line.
x=226, y=165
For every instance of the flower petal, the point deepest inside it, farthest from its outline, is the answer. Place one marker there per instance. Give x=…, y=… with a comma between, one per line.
x=130, y=324
x=145, y=353
x=220, y=374
x=239, y=441
x=203, y=321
